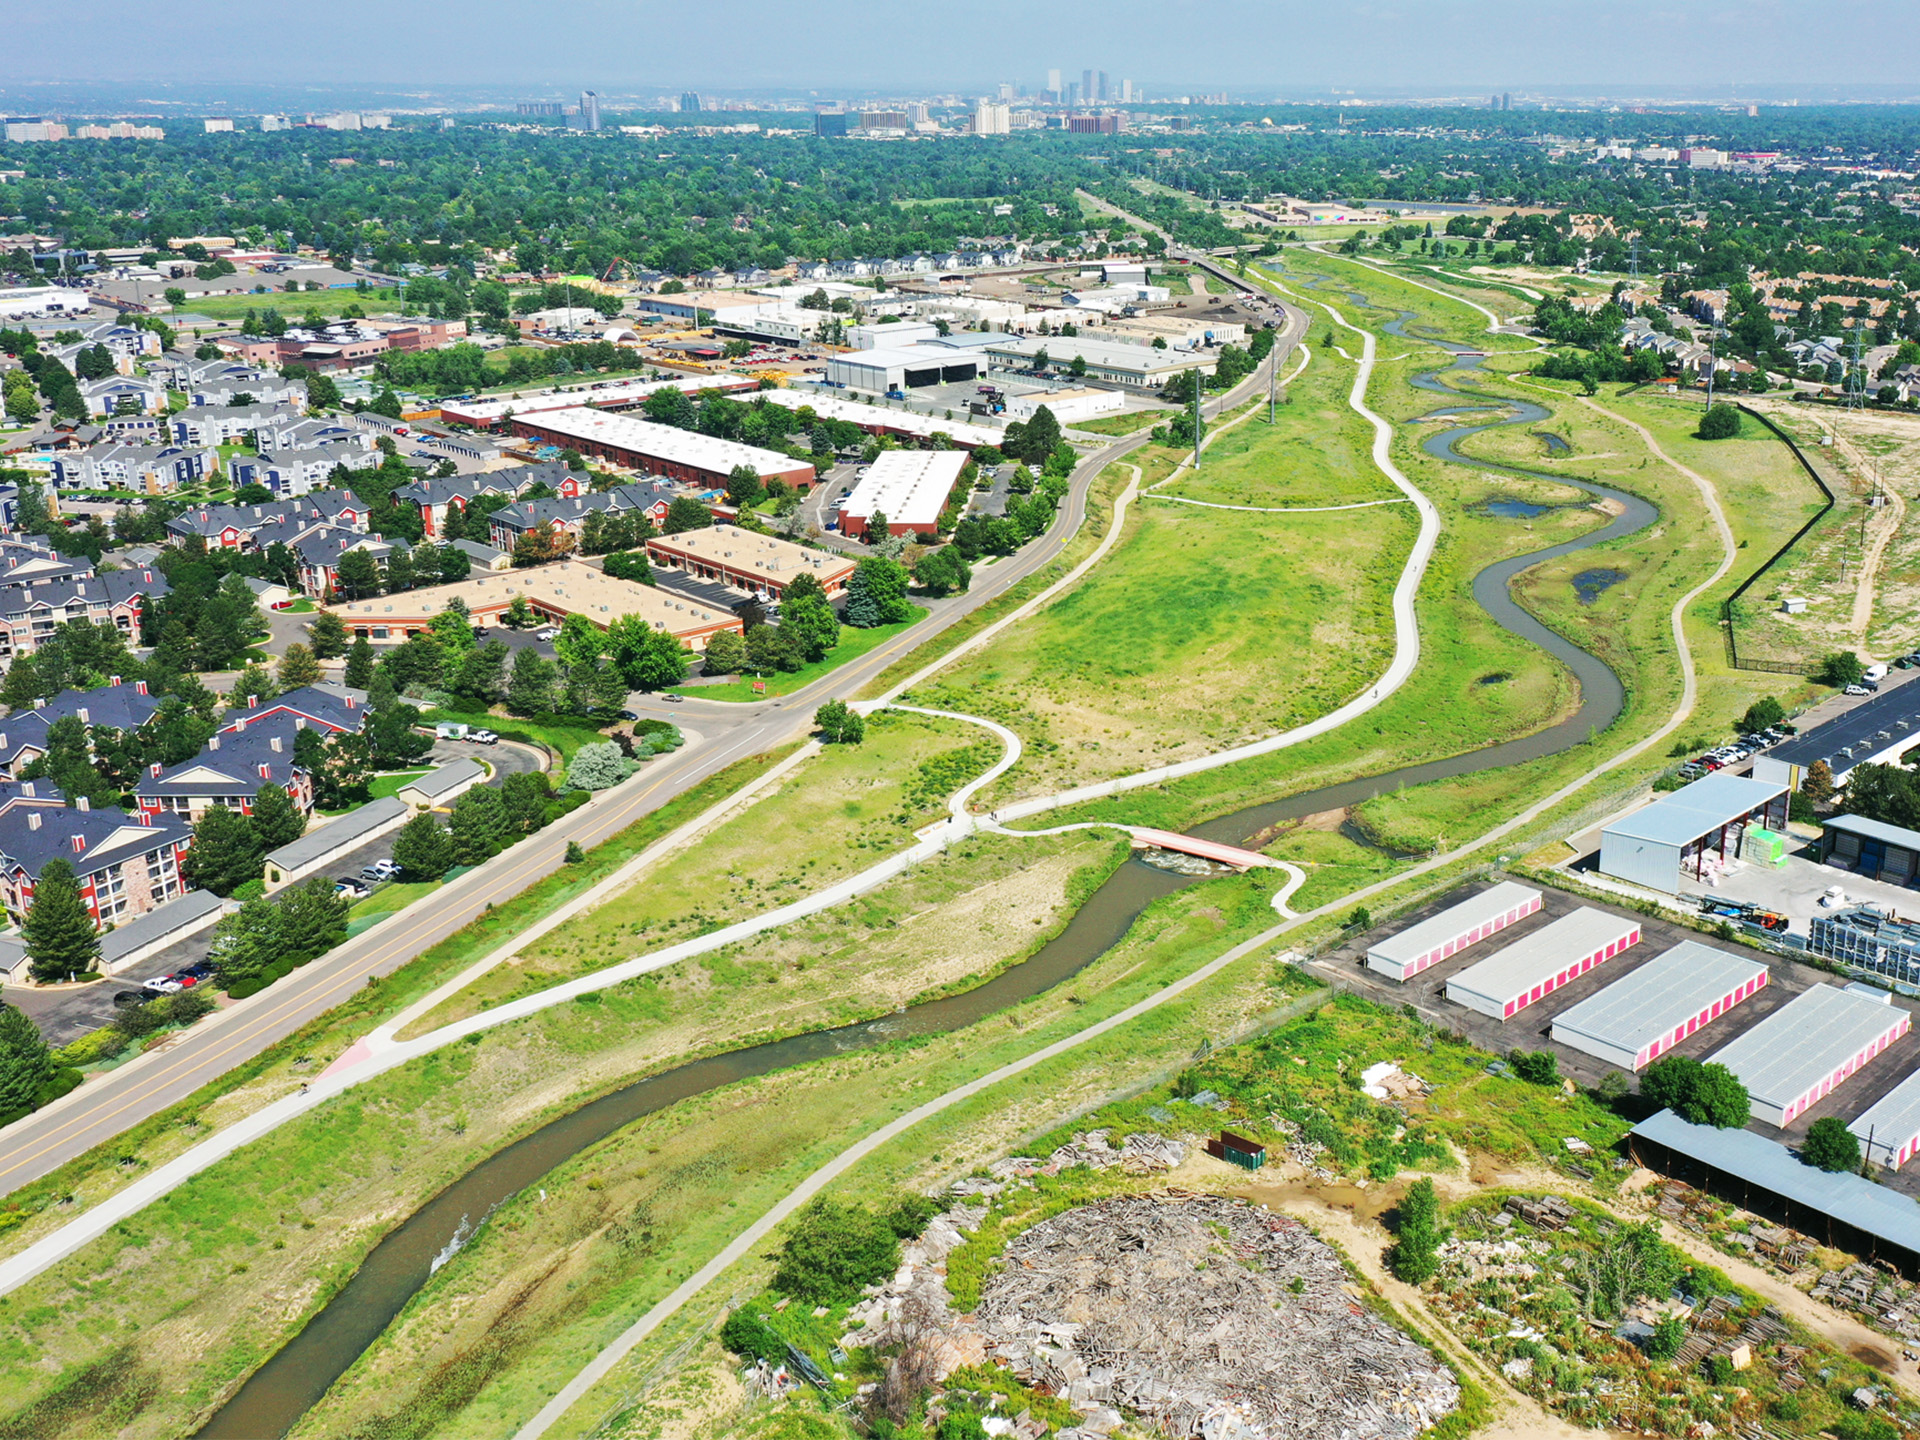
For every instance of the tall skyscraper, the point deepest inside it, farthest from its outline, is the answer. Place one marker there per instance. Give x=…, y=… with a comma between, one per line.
x=1006, y=92
x=1053, y=83
x=690, y=101
x=1506, y=100
x=1100, y=92
x=1086, y=87
x=992, y=119
x=1072, y=97
x=589, y=110
x=1126, y=92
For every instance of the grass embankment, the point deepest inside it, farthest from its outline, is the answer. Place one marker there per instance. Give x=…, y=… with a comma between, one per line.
x=292, y=303
x=1130, y=423
x=558, y=740
x=853, y=644
x=842, y=811
x=33, y=1209
x=301, y=1207
x=1205, y=627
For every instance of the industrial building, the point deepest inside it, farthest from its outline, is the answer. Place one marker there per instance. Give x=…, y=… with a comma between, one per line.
x=1068, y=406
x=1399, y=957
x=1508, y=981
x=1889, y=1129
x=1640, y=1017
x=553, y=591
x=909, y=487
x=1871, y=848
x=878, y=420
x=905, y=367
x=1138, y=367
x=1875, y=733
x=1843, y=1210
x=659, y=449
x=1691, y=833
x=758, y=564
x=605, y=395
x=1867, y=938
x=1805, y=1049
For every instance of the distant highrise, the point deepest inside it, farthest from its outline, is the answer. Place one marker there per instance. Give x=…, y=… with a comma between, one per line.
x=540, y=107
x=1072, y=97
x=1006, y=92
x=1506, y=100
x=589, y=110
x=1086, y=86
x=991, y=119
x=1100, y=92
x=690, y=101
x=1053, y=83
x=275, y=122
x=830, y=124
x=1126, y=92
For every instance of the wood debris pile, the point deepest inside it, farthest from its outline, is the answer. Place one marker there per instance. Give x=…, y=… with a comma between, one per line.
x=1140, y=1154
x=1183, y=1308
x=1302, y=1151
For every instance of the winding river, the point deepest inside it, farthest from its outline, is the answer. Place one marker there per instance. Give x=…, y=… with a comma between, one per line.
x=282, y=1390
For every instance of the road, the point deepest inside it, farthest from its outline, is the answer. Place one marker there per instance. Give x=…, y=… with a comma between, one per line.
x=721, y=734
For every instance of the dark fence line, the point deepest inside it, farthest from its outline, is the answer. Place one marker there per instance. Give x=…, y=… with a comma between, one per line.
x=1773, y=667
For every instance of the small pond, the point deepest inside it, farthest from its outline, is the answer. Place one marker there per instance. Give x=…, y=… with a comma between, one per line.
x=1589, y=584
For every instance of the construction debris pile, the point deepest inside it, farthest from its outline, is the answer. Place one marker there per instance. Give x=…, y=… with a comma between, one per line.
x=1885, y=1300
x=1208, y=1317
x=1303, y=1152
x=1140, y=1154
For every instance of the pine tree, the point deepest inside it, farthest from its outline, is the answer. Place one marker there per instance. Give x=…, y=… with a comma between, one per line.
x=25, y=1064
x=725, y=654
x=530, y=691
x=22, y=685
x=1816, y=785
x=61, y=941
x=422, y=849
x=1414, y=1257
x=478, y=825
x=277, y=820
x=312, y=918
x=360, y=664
x=226, y=852
x=298, y=667
x=327, y=635
x=524, y=797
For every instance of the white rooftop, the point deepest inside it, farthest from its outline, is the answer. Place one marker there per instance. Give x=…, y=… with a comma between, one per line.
x=606, y=392
x=1542, y=955
x=1456, y=920
x=905, y=422
x=1803, y=1042
x=910, y=487
x=1666, y=992
x=664, y=442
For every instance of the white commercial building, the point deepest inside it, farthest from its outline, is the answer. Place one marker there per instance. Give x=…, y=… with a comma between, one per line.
x=1506, y=983
x=42, y=300
x=878, y=420
x=909, y=487
x=1636, y=1020
x=1067, y=405
x=1139, y=367
x=901, y=332
x=1799, y=1053
x=904, y=367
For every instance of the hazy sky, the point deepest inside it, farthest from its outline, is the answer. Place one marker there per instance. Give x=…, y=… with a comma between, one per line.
x=1295, y=46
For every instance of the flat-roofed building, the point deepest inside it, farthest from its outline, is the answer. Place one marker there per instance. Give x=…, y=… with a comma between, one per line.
x=878, y=420
x=1402, y=956
x=1506, y=983
x=553, y=591
x=659, y=449
x=904, y=367
x=1068, y=406
x=1801, y=1052
x=603, y=395
x=759, y=564
x=1637, y=1019
x=1874, y=733
x=908, y=487
x=1889, y=1129
x=1138, y=367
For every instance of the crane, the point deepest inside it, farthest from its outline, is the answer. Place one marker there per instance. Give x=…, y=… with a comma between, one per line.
x=617, y=263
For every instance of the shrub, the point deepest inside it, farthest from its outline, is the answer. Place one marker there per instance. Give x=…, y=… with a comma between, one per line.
x=745, y=1333
x=1536, y=1067
x=1721, y=422
x=1830, y=1145
x=834, y=1251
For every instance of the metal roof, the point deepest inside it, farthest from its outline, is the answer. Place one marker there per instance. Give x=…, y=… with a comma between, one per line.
x=1874, y=830
x=157, y=924
x=1414, y=941
x=1885, y=1214
x=1693, y=810
x=1543, y=954
x=662, y=442
x=1804, y=1041
x=1895, y=711
x=438, y=782
x=910, y=487
x=1666, y=992
x=337, y=834
x=1893, y=1119
x=855, y=412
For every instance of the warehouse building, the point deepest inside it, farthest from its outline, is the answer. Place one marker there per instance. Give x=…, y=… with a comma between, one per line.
x=1889, y=1129
x=1507, y=982
x=908, y=487
x=1402, y=956
x=904, y=367
x=605, y=395
x=1844, y=1210
x=553, y=591
x=659, y=449
x=878, y=420
x=1692, y=833
x=1871, y=848
x=1068, y=406
x=1876, y=733
x=1138, y=367
x=1637, y=1019
x=759, y=564
x=1804, y=1050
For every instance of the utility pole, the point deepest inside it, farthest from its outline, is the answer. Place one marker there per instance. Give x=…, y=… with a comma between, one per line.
x=1273, y=385
x=1199, y=421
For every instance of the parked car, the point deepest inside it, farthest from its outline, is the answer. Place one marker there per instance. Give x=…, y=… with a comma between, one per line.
x=548, y=633
x=1856, y=690
x=380, y=870
x=674, y=699
x=483, y=737
x=199, y=970
x=629, y=714
x=130, y=997
x=347, y=885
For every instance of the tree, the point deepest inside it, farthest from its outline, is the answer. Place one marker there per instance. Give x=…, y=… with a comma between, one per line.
x=645, y=658
x=422, y=849
x=598, y=766
x=1840, y=669
x=743, y=486
x=1830, y=1146
x=686, y=513
x=834, y=1252
x=298, y=667
x=1415, y=1254
x=1719, y=1099
x=327, y=636
x=518, y=614
x=359, y=577
x=877, y=593
x=247, y=944
x=226, y=851
x=726, y=654
x=524, y=797
x=943, y=571
x=1536, y=1067
x=58, y=931
x=276, y=819
x=25, y=1064
x=312, y=919
x=808, y=619
x=478, y=825
x=392, y=738
x=840, y=724
x=1763, y=714
x=1669, y=1334
x=1817, y=783
x=530, y=690
x=359, y=674
x=1720, y=422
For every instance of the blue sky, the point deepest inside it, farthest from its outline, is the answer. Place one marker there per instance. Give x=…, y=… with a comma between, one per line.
x=1295, y=47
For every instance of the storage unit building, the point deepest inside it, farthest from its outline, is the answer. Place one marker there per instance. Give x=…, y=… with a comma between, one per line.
x=1889, y=1129
x=1639, y=1018
x=1692, y=832
x=1506, y=983
x=1878, y=732
x=1872, y=848
x=909, y=488
x=1801, y=1052
x=658, y=449
x=1402, y=956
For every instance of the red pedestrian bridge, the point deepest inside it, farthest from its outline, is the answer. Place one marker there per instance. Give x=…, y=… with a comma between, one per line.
x=1233, y=855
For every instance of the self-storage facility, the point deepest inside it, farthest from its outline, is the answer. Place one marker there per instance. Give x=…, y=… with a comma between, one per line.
x=1507, y=982
x=1692, y=832
x=1807, y=1047
x=1889, y=1129
x=1640, y=1017
x=1402, y=956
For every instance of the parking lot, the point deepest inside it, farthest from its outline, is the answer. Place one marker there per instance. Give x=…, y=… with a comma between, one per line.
x=1530, y=1029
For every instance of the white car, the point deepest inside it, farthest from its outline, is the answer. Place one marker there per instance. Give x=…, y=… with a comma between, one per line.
x=163, y=985
x=550, y=633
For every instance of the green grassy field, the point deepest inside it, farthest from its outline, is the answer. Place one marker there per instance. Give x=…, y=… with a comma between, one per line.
x=293, y=304
x=853, y=644
x=1127, y=424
